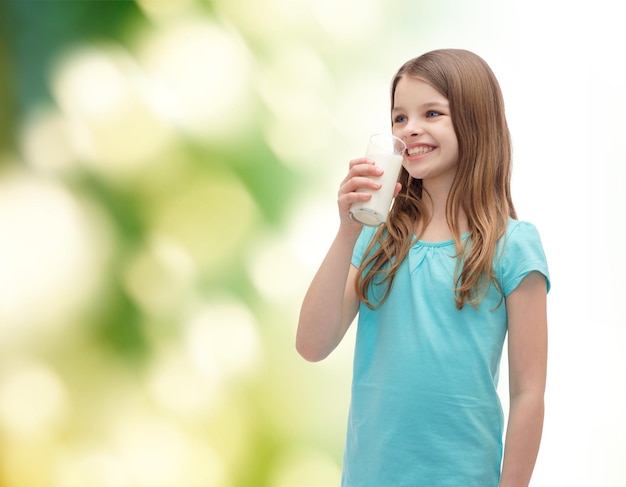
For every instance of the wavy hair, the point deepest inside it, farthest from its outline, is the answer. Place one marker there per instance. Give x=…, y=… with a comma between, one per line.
x=481, y=186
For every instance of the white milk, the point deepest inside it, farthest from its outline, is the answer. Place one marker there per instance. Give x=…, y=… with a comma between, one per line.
x=374, y=212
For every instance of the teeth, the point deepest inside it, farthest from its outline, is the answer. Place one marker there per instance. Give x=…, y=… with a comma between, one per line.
x=419, y=150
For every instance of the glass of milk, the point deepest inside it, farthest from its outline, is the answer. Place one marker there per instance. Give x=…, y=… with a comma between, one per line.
x=387, y=152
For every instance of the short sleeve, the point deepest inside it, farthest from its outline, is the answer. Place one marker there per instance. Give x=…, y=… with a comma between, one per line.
x=361, y=244
x=522, y=254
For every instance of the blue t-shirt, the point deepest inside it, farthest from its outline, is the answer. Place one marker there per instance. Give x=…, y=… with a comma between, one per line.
x=425, y=409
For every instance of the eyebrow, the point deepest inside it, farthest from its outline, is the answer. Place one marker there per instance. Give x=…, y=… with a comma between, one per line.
x=430, y=104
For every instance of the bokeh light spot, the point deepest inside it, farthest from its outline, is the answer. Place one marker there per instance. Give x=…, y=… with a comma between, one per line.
x=92, y=466
x=179, y=386
x=210, y=219
x=296, y=86
x=205, y=68
x=276, y=283
x=222, y=339
x=33, y=400
x=45, y=142
x=160, y=276
x=305, y=467
x=161, y=10
x=157, y=452
x=108, y=100
x=51, y=257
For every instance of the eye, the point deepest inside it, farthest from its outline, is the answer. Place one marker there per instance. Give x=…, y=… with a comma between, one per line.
x=432, y=114
x=399, y=119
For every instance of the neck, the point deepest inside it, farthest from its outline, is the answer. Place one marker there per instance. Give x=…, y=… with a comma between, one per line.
x=438, y=228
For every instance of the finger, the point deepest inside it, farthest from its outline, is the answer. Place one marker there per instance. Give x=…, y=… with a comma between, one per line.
x=360, y=160
x=354, y=184
x=363, y=169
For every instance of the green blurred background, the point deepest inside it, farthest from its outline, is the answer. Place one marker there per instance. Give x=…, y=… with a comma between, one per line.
x=160, y=164
x=168, y=174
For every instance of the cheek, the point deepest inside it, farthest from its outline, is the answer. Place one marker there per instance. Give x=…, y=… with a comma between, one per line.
x=453, y=145
x=455, y=150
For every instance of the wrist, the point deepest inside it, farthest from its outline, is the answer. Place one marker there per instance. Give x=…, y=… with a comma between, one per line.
x=349, y=231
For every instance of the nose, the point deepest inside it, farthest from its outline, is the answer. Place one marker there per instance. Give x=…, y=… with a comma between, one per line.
x=411, y=129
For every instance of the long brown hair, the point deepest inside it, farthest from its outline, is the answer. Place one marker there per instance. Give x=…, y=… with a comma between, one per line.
x=481, y=186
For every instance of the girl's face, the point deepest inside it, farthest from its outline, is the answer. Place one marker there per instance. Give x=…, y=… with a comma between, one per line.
x=421, y=117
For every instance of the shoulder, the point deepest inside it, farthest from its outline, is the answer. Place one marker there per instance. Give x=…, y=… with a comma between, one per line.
x=521, y=251
x=520, y=235
x=521, y=229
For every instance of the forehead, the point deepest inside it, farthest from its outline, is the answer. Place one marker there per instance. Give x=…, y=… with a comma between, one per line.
x=410, y=91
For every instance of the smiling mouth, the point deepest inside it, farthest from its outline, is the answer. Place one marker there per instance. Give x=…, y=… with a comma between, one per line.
x=417, y=151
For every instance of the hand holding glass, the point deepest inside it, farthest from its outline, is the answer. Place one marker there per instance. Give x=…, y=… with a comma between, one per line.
x=387, y=152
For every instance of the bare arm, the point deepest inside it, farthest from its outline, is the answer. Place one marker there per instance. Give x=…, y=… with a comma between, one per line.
x=331, y=304
x=528, y=345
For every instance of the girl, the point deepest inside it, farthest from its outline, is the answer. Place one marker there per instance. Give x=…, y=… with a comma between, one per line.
x=437, y=288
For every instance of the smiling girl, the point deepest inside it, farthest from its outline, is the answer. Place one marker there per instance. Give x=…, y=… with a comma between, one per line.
x=437, y=288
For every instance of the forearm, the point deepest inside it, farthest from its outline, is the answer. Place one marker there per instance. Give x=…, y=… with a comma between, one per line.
x=325, y=315
x=522, y=439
